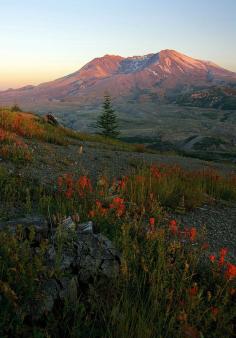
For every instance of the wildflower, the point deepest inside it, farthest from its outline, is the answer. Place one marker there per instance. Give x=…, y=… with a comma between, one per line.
x=116, y=202
x=192, y=234
x=118, y=205
x=152, y=221
x=155, y=171
x=120, y=210
x=212, y=258
x=214, y=311
x=91, y=214
x=69, y=193
x=223, y=253
x=231, y=271
x=173, y=226
x=193, y=290
x=122, y=183
x=84, y=184
x=69, y=180
x=98, y=204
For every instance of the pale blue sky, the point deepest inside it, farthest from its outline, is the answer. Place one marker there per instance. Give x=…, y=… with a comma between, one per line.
x=44, y=39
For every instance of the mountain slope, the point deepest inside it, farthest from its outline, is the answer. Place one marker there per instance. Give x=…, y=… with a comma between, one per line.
x=161, y=75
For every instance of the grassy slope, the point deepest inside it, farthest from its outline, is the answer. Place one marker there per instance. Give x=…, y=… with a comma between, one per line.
x=160, y=291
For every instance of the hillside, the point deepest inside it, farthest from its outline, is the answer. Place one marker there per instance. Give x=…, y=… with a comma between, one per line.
x=90, y=225
x=214, y=97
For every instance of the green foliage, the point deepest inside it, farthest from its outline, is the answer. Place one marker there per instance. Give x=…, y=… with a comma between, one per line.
x=163, y=293
x=21, y=274
x=107, y=121
x=163, y=289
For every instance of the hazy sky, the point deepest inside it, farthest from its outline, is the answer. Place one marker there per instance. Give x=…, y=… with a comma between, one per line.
x=41, y=40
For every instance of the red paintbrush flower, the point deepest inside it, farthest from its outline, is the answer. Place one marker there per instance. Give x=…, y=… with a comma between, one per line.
x=231, y=271
x=173, y=226
x=152, y=221
x=212, y=258
x=192, y=234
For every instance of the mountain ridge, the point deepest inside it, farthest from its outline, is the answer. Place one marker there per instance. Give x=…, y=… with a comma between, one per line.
x=159, y=75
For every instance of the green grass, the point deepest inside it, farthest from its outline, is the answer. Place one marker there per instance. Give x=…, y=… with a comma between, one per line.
x=30, y=126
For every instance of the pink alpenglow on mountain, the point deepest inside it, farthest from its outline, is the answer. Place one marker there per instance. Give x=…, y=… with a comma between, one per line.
x=159, y=74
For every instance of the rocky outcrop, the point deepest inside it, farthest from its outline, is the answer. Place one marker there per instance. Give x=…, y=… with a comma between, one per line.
x=49, y=118
x=85, y=257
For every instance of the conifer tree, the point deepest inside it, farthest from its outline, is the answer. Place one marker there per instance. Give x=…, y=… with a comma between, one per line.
x=107, y=121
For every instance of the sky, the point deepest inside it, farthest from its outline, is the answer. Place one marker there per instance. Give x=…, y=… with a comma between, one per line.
x=41, y=40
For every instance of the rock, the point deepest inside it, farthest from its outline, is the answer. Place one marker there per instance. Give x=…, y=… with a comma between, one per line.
x=96, y=257
x=49, y=118
x=83, y=258
x=86, y=227
x=68, y=223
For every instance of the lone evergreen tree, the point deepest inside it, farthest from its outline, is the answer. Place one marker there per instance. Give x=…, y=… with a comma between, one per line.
x=107, y=121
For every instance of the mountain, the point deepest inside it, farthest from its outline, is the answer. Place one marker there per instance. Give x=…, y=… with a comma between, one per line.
x=155, y=77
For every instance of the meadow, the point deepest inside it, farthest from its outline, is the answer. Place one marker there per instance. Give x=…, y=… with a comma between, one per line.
x=170, y=284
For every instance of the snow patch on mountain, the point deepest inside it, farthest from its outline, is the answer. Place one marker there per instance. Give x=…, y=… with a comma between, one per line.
x=152, y=71
x=137, y=63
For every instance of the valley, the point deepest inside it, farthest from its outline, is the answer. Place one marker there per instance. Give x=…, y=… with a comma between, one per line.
x=165, y=100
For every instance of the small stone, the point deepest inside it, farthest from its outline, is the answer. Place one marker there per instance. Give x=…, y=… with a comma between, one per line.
x=86, y=227
x=68, y=223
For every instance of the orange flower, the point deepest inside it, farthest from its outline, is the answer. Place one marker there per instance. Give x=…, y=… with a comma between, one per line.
x=91, y=214
x=223, y=253
x=173, y=226
x=231, y=271
x=214, y=311
x=155, y=171
x=122, y=183
x=103, y=211
x=192, y=234
x=84, y=183
x=193, y=291
x=118, y=205
x=98, y=204
x=69, y=180
x=152, y=221
x=120, y=210
x=69, y=193
x=118, y=200
x=212, y=258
